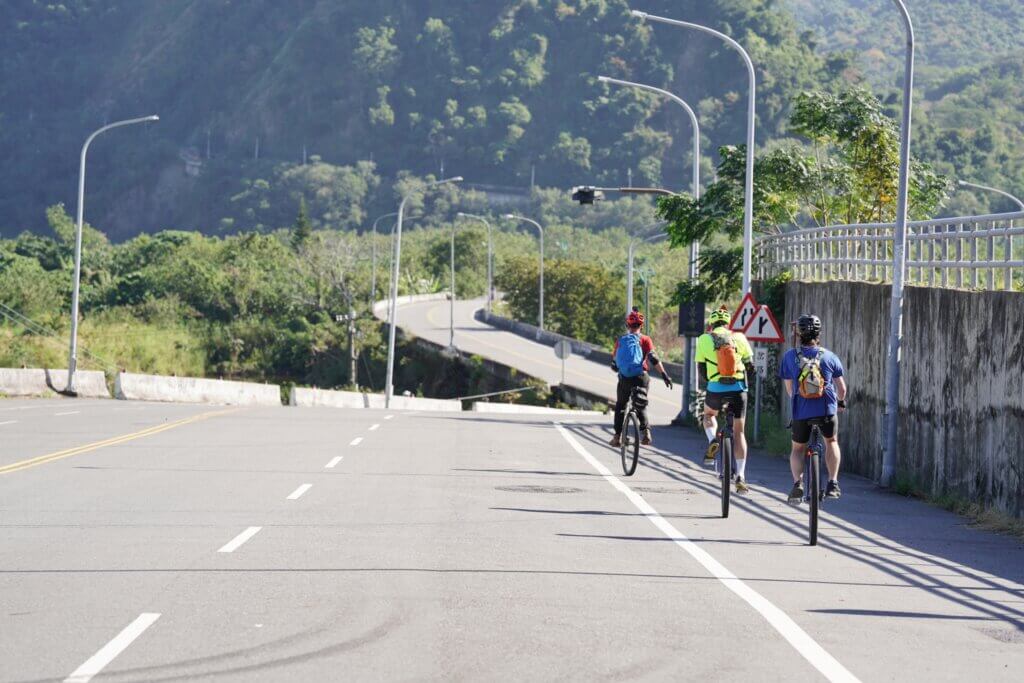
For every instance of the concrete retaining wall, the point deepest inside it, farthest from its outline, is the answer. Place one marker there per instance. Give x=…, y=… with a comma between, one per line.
x=134, y=387
x=380, y=308
x=40, y=382
x=961, y=425
x=512, y=409
x=306, y=398
x=581, y=348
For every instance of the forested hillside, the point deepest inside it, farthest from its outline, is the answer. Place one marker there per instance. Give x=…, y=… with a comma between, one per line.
x=495, y=90
x=970, y=117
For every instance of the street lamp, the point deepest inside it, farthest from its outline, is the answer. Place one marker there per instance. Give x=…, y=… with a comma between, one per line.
x=373, y=256
x=540, y=230
x=899, y=246
x=976, y=186
x=748, y=194
x=490, y=255
x=629, y=261
x=73, y=354
x=396, y=261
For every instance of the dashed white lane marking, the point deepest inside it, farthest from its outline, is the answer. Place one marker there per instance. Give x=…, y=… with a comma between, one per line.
x=297, y=493
x=236, y=542
x=106, y=655
x=388, y=417
x=374, y=427
x=70, y=412
x=356, y=441
x=334, y=461
x=9, y=422
x=808, y=648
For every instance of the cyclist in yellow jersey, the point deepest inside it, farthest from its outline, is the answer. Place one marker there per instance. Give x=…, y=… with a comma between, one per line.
x=719, y=346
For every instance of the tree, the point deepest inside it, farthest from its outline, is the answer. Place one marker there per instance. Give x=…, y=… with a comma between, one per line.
x=302, y=229
x=847, y=172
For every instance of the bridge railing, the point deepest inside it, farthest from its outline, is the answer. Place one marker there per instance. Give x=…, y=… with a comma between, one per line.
x=967, y=252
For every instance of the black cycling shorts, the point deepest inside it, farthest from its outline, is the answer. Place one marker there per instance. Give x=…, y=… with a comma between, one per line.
x=737, y=401
x=802, y=428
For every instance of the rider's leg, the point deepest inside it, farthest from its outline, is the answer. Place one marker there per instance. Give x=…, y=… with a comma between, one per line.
x=739, y=439
x=621, y=399
x=641, y=384
x=833, y=456
x=796, y=460
x=710, y=423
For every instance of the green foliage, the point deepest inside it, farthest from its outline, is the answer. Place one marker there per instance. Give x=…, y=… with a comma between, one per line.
x=302, y=229
x=581, y=300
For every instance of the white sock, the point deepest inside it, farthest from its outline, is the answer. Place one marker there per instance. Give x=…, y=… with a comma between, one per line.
x=711, y=434
x=741, y=468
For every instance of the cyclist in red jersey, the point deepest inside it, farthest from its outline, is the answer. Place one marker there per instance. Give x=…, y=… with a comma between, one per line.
x=636, y=385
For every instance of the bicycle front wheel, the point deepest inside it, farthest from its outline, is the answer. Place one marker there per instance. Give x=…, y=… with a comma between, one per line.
x=630, y=449
x=814, y=493
x=725, y=469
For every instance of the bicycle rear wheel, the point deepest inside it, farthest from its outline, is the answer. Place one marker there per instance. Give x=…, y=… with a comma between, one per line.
x=630, y=449
x=725, y=468
x=814, y=493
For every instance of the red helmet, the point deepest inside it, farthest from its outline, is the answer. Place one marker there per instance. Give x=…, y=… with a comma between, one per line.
x=635, y=318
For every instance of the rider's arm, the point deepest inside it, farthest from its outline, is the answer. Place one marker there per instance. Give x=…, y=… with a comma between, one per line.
x=789, y=387
x=702, y=375
x=840, y=388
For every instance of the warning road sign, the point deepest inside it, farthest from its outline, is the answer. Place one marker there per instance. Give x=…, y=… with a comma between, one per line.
x=744, y=314
x=763, y=327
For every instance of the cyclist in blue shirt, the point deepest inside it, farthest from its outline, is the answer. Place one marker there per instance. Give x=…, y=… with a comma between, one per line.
x=801, y=369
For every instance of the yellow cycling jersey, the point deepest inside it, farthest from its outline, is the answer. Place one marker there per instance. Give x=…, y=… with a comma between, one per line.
x=706, y=353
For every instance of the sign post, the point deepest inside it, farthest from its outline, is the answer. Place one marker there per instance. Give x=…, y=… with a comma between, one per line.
x=691, y=326
x=563, y=349
x=761, y=327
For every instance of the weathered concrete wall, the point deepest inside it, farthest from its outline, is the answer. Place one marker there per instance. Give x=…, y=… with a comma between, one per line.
x=40, y=382
x=324, y=398
x=132, y=387
x=962, y=388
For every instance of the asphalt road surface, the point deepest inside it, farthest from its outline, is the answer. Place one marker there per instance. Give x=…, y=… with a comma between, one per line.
x=431, y=321
x=147, y=542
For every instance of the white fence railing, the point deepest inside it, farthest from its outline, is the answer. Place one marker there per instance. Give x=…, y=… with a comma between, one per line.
x=971, y=252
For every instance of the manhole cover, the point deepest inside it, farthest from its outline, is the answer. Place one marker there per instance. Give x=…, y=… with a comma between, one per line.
x=526, y=488
x=658, y=489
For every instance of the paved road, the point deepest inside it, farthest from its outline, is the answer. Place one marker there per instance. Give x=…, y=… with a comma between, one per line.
x=431, y=321
x=267, y=544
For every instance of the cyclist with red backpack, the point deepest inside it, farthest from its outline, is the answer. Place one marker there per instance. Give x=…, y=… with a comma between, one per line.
x=724, y=361
x=632, y=358
x=813, y=376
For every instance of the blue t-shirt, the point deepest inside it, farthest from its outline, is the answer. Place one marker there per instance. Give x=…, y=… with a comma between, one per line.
x=831, y=367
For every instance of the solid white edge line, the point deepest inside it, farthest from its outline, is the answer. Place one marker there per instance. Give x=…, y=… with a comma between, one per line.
x=808, y=648
x=334, y=461
x=374, y=427
x=70, y=412
x=356, y=441
x=236, y=542
x=9, y=422
x=297, y=493
x=108, y=652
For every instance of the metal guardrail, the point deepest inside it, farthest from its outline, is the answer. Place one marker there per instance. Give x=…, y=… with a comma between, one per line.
x=967, y=252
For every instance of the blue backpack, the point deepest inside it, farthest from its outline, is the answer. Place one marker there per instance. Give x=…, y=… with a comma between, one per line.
x=629, y=356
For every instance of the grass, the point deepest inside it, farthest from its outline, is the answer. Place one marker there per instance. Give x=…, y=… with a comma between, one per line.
x=977, y=515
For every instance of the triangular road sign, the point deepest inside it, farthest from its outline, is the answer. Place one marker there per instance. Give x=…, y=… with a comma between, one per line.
x=763, y=327
x=744, y=314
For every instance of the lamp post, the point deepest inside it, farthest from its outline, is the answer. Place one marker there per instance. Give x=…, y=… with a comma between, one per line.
x=540, y=231
x=373, y=256
x=490, y=255
x=748, y=200
x=899, y=245
x=986, y=188
x=73, y=353
x=629, y=262
x=395, y=264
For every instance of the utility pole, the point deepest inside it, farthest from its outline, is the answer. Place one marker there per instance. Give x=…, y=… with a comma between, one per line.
x=353, y=379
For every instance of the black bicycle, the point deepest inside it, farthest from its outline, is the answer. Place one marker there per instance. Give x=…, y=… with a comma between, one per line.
x=814, y=494
x=725, y=462
x=629, y=449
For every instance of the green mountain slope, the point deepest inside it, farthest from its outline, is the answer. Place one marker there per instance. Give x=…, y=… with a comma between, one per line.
x=496, y=90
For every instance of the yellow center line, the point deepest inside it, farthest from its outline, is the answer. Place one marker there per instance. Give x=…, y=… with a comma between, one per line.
x=150, y=431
